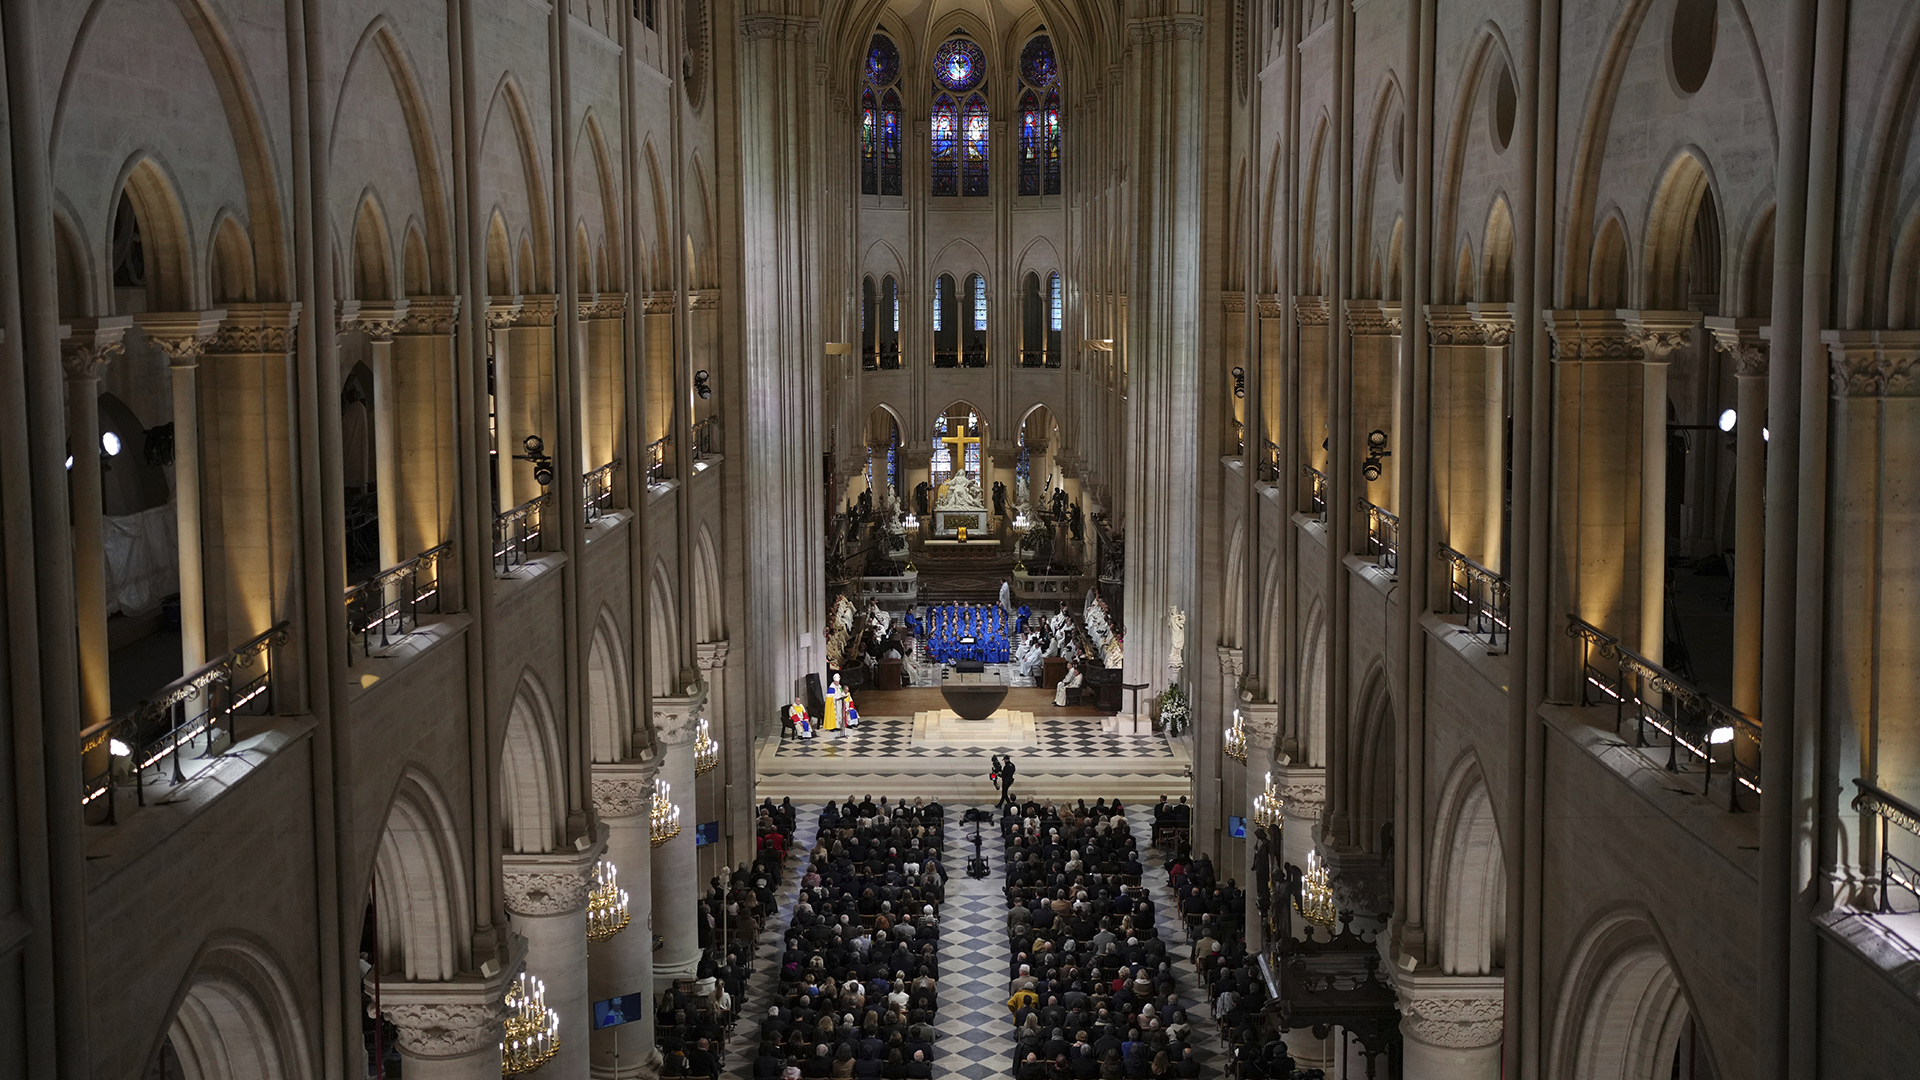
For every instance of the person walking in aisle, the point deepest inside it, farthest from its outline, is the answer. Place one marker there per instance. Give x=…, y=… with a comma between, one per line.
x=1006, y=780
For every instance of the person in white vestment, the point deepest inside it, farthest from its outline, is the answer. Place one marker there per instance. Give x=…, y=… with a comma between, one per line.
x=1071, y=679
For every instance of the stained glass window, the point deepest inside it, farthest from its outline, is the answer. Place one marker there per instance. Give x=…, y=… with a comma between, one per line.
x=896, y=306
x=979, y=303
x=883, y=61
x=1053, y=301
x=1037, y=64
x=974, y=125
x=946, y=134
x=1030, y=144
x=890, y=143
x=959, y=65
x=869, y=144
x=1053, y=142
x=936, y=302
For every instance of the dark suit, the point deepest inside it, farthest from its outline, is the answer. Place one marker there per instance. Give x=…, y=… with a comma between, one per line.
x=1006, y=782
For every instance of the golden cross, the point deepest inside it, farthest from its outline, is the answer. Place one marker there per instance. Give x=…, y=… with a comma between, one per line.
x=958, y=446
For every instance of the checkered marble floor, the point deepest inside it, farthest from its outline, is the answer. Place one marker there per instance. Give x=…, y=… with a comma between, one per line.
x=744, y=1041
x=976, y=1034
x=975, y=1038
x=891, y=736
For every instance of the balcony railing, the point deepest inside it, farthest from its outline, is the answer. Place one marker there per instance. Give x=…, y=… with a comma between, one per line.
x=706, y=437
x=1669, y=707
x=1895, y=873
x=204, y=704
x=1479, y=594
x=946, y=358
x=387, y=606
x=516, y=532
x=1269, y=460
x=596, y=490
x=1039, y=358
x=657, y=460
x=1316, y=491
x=1383, y=537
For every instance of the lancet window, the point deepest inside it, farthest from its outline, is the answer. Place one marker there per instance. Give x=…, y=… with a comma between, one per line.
x=880, y=119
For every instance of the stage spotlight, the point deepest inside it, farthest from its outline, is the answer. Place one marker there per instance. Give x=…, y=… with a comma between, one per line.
x=1727, y=419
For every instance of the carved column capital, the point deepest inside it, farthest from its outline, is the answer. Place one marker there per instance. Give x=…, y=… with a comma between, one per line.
x=92, y=344
x=503, y=312
x=624, y=789
x=1233, y=661
x=448, y=1029
x=1261, y=722
x=1874, y=363
x=1373, y=318
x=435, y=316
x=550, y=884
x=1458, y=1012
x=710, y=655
x=538, y=310
x=1660, y=334
x=1590, y=335
x=1453, y=324
x=703, y=300
x=656, y=303
x=1233, y=302
x=673, y=718
x=1311, y=310
x=1272, y=306
x=182, y=335
x=1166, y=28
x=380, y=321
x=256, y=330
x=1745, y=340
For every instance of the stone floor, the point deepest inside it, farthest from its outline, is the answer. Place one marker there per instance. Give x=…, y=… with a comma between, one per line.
x=976, y=1036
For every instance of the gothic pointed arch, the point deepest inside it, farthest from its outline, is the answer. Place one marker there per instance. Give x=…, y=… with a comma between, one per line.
x=1467, y=879
x=532, y=785
x=1622, y=1009
x=609, y=693
x=420, y=885
x=663, y=637
x=237, y=1016
x=709, y=615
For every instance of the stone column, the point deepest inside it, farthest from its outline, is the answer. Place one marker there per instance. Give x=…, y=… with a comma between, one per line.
x=1658, y=334
x=249, y=484
x=1261, y=722
x=730, y=786
x=450, y=1030
x=90, y=346
x=1310, y=313
x=529, y=341
x=378, y=321
x=623, y=963
x=1598, y=569
x=508, y=437
x=183, y=337
x=1159, y=504
x=1468, y=428
x=547, y=903
x=1375, y=326
x=423, y=411
x=1451, y=1024
x=1871, y=718
x=1744, y=340
x=603, y=328
x=676, y=884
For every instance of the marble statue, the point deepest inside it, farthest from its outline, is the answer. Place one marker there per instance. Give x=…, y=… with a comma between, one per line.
x=1176, y=638
x=960, y=492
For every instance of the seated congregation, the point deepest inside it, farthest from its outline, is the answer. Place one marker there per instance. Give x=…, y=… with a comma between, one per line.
x=693, y=1016
x=859, y=974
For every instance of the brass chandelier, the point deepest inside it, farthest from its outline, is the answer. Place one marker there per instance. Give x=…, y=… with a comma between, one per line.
x=1235, y=746
x=706, y=752
x=665, y=820
x=533, y=1030
x=607, y=909
x=1268, y=811
x=1316, y=893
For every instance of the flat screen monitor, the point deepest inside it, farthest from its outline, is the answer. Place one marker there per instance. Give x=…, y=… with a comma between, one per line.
x=1237, y=826
x=616, y=1011
x=707, y=832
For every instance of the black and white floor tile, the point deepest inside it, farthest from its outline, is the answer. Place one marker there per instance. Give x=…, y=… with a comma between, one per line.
x=890, y=736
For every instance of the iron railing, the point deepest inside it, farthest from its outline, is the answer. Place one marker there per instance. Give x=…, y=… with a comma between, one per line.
x=973, y=358
x=1895, y=873
x=516, y=532
x=1316, y=491
x=1670, y=707
x=596, y=490
x=657, y=460
x=1269, y=460
x=1383, y=536
x=706, y=437
x=198, y=705
x=388, y=606
x=1479, y=594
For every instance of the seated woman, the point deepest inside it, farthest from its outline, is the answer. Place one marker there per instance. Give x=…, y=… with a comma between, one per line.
x=1071, y=680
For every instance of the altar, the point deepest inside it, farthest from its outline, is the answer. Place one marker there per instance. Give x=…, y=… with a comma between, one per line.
x=948, y=523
